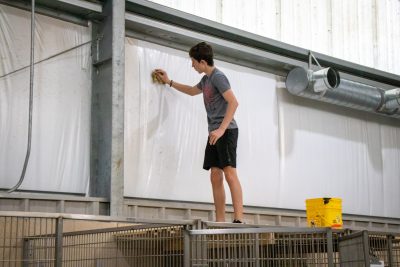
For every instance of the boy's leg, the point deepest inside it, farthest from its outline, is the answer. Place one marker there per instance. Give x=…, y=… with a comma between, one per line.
x=217, y=182
x=236, y=191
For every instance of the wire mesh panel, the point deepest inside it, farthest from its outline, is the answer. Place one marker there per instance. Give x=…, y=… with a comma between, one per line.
x=65, y=240
x=39, y=251
x=385, y=248
x=27, y=241
x=354, y=250
x=297, y=249
x=396, y=252
x=262, y=247
x=224, y=250
x=42, y=241
x=141, y=245
x=379, y=248
x=365, y=248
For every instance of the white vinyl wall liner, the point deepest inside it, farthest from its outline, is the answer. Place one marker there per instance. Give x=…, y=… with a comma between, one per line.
x=290, y=149
x=59, y=158
x=166, y=131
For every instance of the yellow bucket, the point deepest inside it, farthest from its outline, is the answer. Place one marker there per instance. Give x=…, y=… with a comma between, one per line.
x=324, y=212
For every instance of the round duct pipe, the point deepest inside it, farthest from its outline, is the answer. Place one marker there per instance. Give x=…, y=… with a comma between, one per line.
x=392, y=100
x=392, y=105
x=299, y=80
x=356, y=95
x=324, y=79
x=325, y=85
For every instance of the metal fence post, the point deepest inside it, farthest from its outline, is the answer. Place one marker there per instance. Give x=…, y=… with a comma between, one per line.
x=390, y=249
x=329, y=248
x=198, y=224
x=365, y=247
x=25, y=252
x=257, y=249
x=202, y=249
x=186, y=248
x=59, y=242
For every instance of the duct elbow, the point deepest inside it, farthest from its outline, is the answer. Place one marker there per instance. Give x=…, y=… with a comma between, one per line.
x=392, y=104
x=391, y=100
x=297, y=81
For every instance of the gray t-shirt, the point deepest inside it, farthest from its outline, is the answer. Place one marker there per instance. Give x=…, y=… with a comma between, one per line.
x=213, y=87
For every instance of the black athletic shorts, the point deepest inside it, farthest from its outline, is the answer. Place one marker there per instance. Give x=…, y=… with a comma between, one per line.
x=223, y=153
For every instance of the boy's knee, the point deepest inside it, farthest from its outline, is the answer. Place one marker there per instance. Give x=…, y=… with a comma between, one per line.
x=216, y=176
x=215, y=172
x=230, y=173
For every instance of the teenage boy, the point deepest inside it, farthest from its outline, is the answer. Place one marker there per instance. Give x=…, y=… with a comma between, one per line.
x=221, y=104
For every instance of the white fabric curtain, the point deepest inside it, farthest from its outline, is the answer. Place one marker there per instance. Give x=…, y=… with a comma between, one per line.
x=59, y=159
x=290, y=149
x=166, y=131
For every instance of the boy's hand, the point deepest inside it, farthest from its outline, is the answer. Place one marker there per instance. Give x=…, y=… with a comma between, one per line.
x=215, y=135
x=162, y=75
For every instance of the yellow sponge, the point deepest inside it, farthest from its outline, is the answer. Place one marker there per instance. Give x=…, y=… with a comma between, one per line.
x=155, y=78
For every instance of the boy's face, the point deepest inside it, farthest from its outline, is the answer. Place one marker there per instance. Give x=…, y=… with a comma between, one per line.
x=198, y=66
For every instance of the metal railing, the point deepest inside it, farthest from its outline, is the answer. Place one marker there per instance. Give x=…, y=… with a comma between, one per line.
x=42, y=239
x=268, y=246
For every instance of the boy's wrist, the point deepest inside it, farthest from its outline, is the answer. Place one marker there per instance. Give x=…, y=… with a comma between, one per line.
x=223, y=128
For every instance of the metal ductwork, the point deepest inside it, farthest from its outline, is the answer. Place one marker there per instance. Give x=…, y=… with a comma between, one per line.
x=323, y=79
x=392, y=99
x=325, y=85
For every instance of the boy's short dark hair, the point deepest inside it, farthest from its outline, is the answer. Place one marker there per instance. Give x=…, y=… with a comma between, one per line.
x=202, y=51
